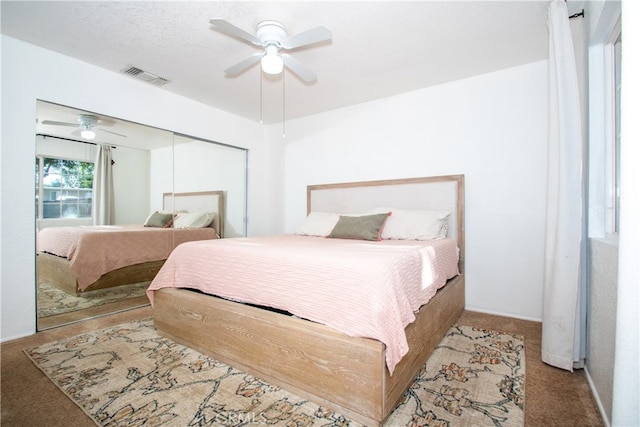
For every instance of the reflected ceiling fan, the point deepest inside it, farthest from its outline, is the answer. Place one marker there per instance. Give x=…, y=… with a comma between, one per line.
x=86, y=124
x=272, y=37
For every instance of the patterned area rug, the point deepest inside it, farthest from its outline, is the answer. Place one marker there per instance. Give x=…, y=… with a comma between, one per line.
x=128, y=375
x=53, y=301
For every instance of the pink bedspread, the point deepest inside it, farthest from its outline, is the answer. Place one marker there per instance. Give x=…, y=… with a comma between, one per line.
x=364, y=289
x=95, y=250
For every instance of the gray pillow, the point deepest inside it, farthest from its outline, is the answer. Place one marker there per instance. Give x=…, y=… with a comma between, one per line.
x=158, y=219
x=366, y=227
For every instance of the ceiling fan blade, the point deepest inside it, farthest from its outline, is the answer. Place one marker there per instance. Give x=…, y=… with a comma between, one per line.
x=234, y=31
x=106, y=121
x=55, y=123
x=297, y=68
x=242, y=66
x=314, y=35
x=111, y=132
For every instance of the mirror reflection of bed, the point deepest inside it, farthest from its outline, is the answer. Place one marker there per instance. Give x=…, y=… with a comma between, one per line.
x=89, y=270
x=147, y=175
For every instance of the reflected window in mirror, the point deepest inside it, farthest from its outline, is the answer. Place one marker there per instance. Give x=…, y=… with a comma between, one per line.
x=64, y=188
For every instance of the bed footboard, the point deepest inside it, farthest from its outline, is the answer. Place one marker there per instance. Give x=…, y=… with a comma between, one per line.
x=308, y=359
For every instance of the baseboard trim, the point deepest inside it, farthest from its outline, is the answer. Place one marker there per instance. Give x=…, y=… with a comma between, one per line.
x=596, y=397
x=495, y=313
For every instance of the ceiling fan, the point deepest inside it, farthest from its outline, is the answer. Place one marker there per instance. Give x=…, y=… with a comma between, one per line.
x=272, y=37
x=86, y=124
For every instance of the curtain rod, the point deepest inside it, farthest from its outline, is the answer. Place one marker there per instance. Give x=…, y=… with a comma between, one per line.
x=68, y=139
x=576, y=15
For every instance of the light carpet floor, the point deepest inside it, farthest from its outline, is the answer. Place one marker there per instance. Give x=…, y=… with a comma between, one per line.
x=128, y=375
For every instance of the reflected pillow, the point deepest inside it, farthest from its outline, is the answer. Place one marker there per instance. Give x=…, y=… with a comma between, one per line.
x=363, y=227
x=158, y=219
x=318, y=224
x=408, y=224
x=193, y=220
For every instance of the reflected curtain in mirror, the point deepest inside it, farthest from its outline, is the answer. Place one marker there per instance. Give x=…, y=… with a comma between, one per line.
x=103, y=197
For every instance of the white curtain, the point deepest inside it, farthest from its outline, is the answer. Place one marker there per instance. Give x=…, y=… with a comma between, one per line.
x=564, y=281
x=103, y=200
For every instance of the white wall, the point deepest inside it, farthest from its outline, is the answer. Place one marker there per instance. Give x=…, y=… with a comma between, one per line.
x=214, y=167
x=130, y=179
x=203, y=166
x=30, y=73
x=602, y=260
x=626, y=388
x=491, y=128
x=161, y=173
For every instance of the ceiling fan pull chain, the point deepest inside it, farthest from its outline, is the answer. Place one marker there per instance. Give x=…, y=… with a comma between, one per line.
x=260, y=77
x=284, y=135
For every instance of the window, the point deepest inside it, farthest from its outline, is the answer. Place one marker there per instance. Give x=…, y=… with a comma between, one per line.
x=63, y=188
x=605, y=58
x=612, y=86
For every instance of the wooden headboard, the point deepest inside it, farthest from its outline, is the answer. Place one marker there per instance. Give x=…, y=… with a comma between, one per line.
x=429, y=193
x=200, y=201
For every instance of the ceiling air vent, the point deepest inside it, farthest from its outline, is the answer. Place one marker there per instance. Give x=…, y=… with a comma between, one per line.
x=145, y=76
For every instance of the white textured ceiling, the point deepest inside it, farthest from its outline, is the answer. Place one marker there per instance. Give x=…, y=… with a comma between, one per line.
x=378, y=49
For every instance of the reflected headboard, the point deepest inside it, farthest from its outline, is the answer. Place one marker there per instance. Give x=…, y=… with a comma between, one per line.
x=428, y=193
x=199, y=201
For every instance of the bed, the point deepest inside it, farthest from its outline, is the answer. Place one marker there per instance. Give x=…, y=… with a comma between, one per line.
x=83, y=259
x=361, y=377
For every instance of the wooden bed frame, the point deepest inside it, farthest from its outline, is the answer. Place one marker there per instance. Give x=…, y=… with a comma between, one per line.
x=55, y=270
x=312, y=360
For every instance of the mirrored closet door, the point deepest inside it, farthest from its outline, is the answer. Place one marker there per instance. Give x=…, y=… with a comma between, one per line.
x=98, y=181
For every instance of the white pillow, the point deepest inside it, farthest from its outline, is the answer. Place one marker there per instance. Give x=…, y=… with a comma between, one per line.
x=318, y=224
x=407, y=224
x=193, y=220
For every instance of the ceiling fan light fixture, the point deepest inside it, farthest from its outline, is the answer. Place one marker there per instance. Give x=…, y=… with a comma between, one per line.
x=272, y=62
x=273, y=38
x=86, y=123
x=88, y=134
